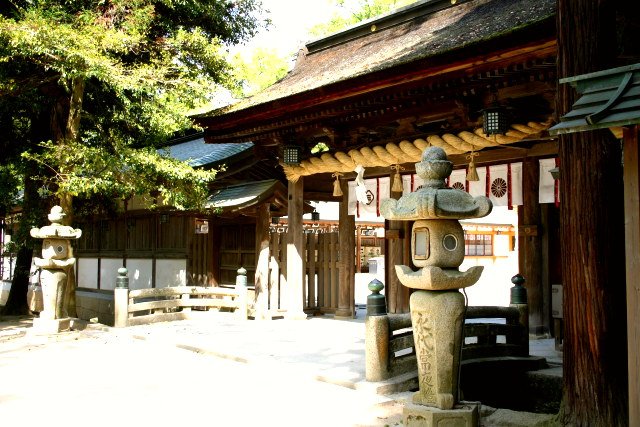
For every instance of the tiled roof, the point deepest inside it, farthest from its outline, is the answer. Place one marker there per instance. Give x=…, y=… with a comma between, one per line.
x=242, y=195
x=198, y=153
x=436, y=33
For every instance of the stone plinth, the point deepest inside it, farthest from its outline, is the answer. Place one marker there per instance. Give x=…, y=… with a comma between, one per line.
x=465, y=414
x=51, y=326
x=437, y=318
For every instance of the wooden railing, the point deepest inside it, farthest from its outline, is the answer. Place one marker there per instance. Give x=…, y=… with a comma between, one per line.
x=390, y=347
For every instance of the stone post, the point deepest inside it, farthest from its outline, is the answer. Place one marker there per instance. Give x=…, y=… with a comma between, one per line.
x=121, y=299
x=377, y=335
x=241, y=287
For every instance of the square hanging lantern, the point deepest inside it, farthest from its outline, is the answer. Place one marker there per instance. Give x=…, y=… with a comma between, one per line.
x=291, y=154
x=494, y=121
x=315, y=216
x=275, y=220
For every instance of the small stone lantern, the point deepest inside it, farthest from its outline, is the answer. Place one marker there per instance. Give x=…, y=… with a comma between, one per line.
x=57, y=259
x=437, y=307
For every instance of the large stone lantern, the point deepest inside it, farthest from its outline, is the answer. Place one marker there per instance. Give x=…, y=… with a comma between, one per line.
x=437, y=307
x=57, y=259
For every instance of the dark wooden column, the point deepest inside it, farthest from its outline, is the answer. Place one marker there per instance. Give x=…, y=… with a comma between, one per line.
x=346, y=235
x=530, y=246
x=294, y=292
x=395, y=247
x=632, y=249
x=263, y=218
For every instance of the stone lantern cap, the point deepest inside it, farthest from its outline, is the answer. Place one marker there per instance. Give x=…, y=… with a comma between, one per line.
x=56, y=230
x=434, y=200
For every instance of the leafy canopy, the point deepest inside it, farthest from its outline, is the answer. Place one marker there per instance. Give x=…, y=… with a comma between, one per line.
x=111, y=79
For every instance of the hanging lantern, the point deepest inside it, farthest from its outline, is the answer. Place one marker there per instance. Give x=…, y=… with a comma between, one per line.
x=315, y=216
x=397, y=179
x=337, y=191
x=472, y=174
x=291, y=154
x=494, y=120
x=275, y=220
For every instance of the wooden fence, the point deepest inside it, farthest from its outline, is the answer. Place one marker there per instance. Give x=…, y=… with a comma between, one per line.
x=320, y=264
x=143, y=306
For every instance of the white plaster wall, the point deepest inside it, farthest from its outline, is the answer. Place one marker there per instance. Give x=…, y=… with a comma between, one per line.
x=5, y=287
x=171, y=272
x=87, y=273
x=494, y=286
x=109, y=271
x=140, y=273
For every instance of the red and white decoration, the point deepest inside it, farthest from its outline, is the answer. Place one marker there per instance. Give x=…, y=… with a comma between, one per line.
x=548, y=188
x=377, y=189
x=501, y=183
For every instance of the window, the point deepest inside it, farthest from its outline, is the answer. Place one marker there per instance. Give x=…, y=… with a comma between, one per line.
x=478, y=244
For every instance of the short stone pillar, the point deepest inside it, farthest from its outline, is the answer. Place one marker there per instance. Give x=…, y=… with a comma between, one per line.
x=437, y=307
x=121, y=299
x=377, y=335
x=241, y=287
x=55, y=264
x=519, y=300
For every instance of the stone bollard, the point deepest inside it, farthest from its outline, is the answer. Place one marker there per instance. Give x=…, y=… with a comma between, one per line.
x=241, y=287
x=377, y=334
x=121, y=299
x=519, y=301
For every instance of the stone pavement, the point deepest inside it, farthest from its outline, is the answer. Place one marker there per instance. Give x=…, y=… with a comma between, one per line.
x=287, y=374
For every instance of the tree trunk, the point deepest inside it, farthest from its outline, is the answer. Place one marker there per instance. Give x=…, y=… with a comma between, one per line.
x=32, y=213
x=592, y=233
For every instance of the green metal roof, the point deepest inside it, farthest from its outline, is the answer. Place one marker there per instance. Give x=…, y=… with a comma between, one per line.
x=609, y=98
x=243, y=195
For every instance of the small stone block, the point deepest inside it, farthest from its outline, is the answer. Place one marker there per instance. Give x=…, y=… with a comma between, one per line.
x=464, y=414
x=51, y=326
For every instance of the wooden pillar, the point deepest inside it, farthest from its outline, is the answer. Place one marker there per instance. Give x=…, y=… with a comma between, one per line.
x=530, y=246
x=395, y=235
x=263, y=219
x=632, y=249
x=294, y=292
x=346, y=236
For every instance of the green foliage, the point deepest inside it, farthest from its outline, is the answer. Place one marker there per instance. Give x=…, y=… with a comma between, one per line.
x=351, y=12
x=132, y=69
x=261, y=70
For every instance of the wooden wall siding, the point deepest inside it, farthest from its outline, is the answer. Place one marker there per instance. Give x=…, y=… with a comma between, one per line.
x=237, y=249
x=141, y=234
x=201, y=261
x=174, y=233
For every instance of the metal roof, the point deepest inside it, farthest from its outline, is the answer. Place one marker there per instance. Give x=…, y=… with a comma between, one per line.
x=609, y=98
x=197, y=153
x=243, y=195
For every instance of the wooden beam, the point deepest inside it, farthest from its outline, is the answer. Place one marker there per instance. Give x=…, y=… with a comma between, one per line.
x=632, y=249
x=346, y=235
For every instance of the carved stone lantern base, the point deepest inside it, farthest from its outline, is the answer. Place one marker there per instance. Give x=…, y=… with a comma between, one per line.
x=437, y=318
x=464, y=414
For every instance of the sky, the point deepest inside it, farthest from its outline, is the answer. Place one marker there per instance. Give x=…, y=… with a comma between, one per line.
x=291, y=21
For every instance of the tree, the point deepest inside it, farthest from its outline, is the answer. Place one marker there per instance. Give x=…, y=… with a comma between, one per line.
x=592, y=221
x=260, y=70
x=106, y=81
